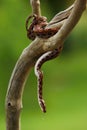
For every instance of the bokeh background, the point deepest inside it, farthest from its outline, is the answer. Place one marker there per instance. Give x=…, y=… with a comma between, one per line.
x=65, y=78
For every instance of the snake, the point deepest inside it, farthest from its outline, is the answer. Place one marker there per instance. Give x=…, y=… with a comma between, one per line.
x=39, y=74
x=37, y=28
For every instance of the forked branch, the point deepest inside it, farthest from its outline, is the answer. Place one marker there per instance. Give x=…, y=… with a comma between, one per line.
x=30, y=55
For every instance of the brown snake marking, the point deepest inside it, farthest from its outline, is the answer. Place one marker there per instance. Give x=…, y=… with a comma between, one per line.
x=45, y=57
x=37, y=28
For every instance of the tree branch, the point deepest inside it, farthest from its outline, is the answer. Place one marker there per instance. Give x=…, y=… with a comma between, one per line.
x=36, y=7
x=61, y=16
x=79, y=7
x=28, y=58
x=68, y=24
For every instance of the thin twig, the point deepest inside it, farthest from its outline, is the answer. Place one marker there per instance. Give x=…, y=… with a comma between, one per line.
x=36, y=7
x=61, y=16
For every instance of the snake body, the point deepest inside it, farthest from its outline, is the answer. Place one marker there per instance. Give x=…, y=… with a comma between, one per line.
x=37, y=28
x=45, y=57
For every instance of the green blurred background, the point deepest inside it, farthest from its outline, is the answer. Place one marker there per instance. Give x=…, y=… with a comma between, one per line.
x=65, y=78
